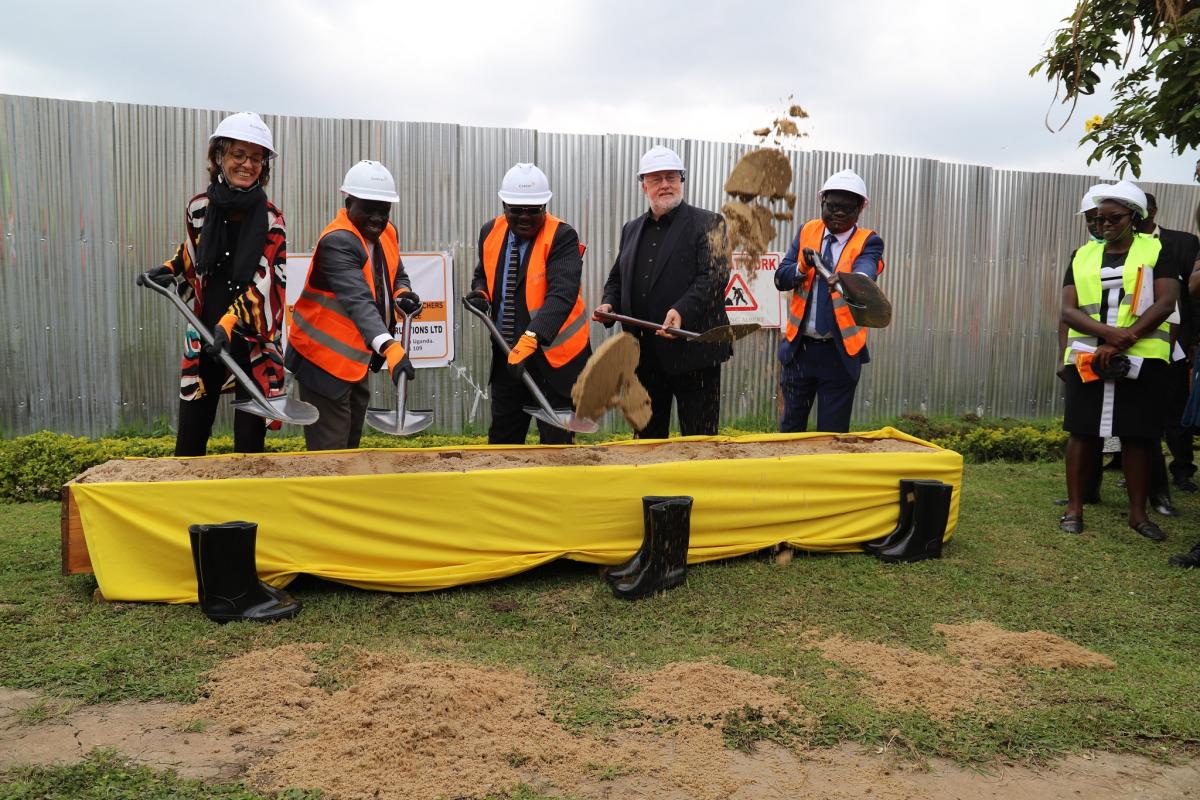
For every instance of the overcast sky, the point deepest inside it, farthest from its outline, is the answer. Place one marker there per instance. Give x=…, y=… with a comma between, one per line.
x=936, y=78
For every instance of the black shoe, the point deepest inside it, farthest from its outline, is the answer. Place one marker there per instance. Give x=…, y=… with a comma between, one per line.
x=227, y=583
x=1149, y=530
x=665, y=565
x=1070, y=523
x=638, y=561
x=931, y=513
x=1186, y=484
x=1162, y=505
x=1188, y=560
x=904, y=520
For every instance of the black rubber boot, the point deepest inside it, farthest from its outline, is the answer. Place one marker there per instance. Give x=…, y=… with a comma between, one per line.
x=226, y=577
x=635, y=564
x=905, y=522
x=665, y=565
x=931, y=511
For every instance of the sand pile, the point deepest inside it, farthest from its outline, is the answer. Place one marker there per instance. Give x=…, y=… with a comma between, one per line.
x=982, y=642
x=900, y=678
x=386, y=462
x=759, y=184
x=400, y=729
x=703, y=690
x=609, y=380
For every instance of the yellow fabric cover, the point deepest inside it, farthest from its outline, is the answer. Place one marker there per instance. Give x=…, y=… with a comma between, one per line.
x=421, y=531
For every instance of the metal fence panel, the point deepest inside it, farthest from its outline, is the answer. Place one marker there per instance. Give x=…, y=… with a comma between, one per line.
x=91, y=194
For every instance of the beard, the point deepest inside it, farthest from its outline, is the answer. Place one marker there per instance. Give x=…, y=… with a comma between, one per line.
x=663, y=205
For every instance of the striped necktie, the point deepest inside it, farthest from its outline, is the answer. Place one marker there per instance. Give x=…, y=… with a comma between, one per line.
x=508, y=316
x=824, y=317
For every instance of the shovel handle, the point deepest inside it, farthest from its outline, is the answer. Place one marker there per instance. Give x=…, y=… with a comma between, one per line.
x=608, y=316
x=530, y=384
x=402, y=381
x=817, y=262
x=242, y=378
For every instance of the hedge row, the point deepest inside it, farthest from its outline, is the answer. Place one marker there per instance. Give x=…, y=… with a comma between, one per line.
x=34, y=467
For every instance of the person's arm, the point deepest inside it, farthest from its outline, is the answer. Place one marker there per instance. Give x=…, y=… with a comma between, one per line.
x=870, y=258
x=564, y=272
x=611, y=296
x=479, y=277
x=790, y=273
x=339, y=260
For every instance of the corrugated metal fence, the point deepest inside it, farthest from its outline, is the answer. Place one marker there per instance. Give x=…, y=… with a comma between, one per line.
x=91, y=194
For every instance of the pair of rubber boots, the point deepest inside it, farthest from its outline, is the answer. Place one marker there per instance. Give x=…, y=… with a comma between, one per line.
x=227, y=577
x=661, y=562
x=924, y=511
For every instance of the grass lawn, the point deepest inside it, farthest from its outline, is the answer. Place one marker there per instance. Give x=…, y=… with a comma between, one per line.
x=1108, y=590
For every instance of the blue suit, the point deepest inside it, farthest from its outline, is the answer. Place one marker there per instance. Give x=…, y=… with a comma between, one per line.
x=815, y=370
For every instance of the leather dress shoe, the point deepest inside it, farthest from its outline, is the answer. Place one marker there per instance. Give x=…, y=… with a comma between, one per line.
x=1186, y=484
x=1188, y=560
x=1162, y=505
x=1149, y=530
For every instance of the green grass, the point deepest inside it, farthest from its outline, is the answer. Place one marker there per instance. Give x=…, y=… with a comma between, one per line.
x=1108, y=590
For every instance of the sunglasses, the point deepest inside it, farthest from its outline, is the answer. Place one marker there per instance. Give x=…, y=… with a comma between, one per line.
x=525, y=211
x=845, y=209
x=1112, y=219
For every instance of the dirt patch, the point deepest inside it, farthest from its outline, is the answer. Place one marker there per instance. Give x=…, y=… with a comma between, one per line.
x=609, y=380
x=983, y=643
x=697, y=690
x=899, y=678
x=385, y=462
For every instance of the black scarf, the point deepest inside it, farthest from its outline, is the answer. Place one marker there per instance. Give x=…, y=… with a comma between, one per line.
x=252, y=235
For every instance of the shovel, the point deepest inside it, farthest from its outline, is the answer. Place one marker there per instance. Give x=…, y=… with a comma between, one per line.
x=401, y=421
x=721, y=333
x=565, y=418
x=868, y=304
x=281, y=409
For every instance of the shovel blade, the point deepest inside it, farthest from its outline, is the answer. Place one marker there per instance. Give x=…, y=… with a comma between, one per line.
x=727, y=333
x=283, y=409
x=868, y=304
x=564, y=419
x=387, y=420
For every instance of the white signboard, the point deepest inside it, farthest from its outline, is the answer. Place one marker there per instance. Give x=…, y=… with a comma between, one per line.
x=755, y=299
x=432, y=276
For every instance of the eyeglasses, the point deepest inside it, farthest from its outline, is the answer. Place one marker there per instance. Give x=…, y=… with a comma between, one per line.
x=1112, y=219
x=525, y=211
x=655, y=180
x=239, y=156
x=845, y=209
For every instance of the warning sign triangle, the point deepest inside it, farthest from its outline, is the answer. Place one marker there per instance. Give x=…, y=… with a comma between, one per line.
x=737, y=295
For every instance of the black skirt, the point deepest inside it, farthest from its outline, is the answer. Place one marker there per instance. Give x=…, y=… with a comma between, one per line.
x=1135, y=406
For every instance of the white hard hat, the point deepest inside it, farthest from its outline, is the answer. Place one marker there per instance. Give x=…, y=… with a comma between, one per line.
x=1126, y=193
x=661, y=158
x=525, y=185
x=1087, y=203
x=845, y=181
x=247, y=127
x=370, y=180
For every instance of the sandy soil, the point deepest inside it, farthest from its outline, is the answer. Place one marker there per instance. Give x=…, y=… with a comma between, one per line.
x=382, y=462
x=382, y=725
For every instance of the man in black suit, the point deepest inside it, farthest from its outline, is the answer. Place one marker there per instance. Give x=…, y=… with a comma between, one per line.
x=528, y=280
x=1183, y=248
x=668, y=269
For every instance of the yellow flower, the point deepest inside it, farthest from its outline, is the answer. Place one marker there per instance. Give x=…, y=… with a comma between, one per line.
x=1092, y=123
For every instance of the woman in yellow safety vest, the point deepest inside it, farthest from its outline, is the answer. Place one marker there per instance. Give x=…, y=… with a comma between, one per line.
x=1116, y=298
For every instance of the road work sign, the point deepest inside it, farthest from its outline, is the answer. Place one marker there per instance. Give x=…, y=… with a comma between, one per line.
x=755, y=298
x=432, y=276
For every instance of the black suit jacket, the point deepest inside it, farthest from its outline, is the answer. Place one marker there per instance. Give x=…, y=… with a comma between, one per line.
x=1183, y=248
x=689, y=277
x=564, y=271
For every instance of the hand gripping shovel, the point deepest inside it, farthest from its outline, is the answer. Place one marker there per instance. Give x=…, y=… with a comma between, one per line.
x=282, y=408
x=721, y=333
x=565, y=418
x=401, y=421
x=867, y=303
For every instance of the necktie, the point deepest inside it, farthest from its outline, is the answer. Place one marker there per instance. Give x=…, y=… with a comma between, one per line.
x=508, y=317
x=824, y=315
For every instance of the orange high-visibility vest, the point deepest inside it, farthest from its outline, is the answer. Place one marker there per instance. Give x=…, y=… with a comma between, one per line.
x=853, y=337
x=322, y=331
x=572, y=337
